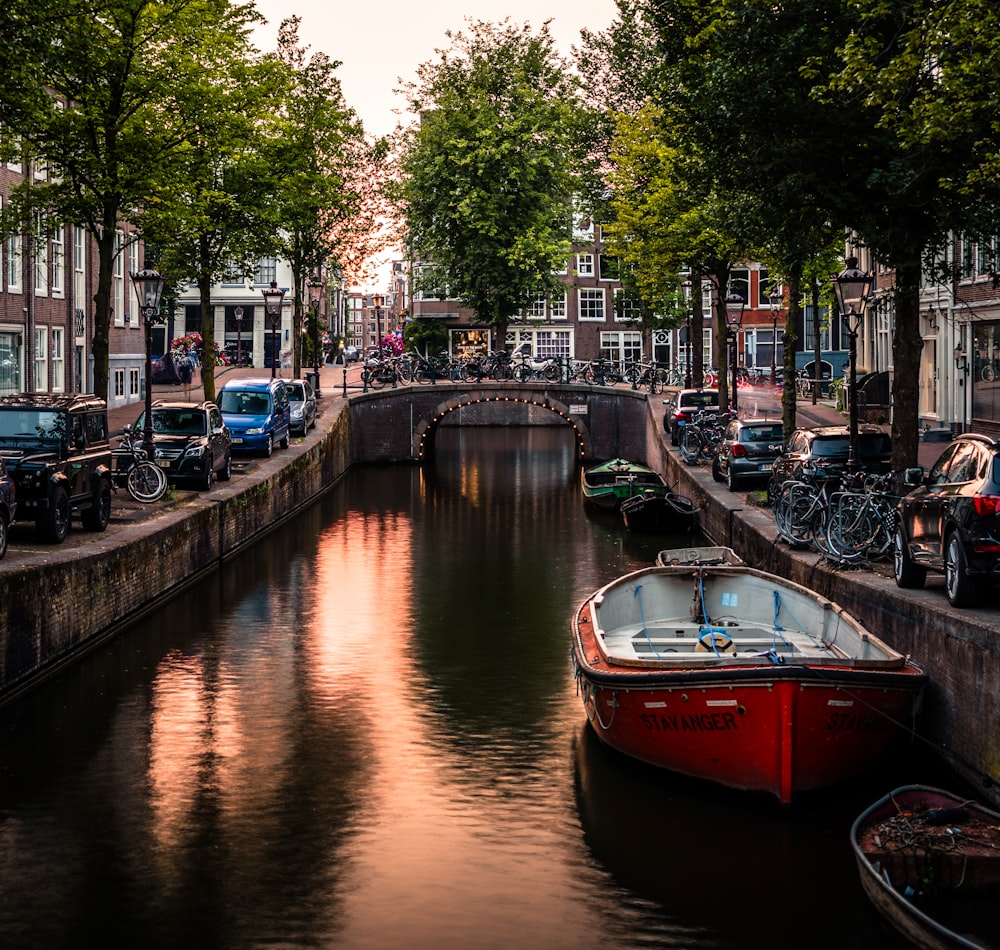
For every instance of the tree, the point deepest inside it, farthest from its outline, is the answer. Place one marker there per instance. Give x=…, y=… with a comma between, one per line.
x=106, y=91
x=489, y=173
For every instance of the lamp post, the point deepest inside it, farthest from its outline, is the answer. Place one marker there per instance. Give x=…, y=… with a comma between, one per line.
x=685, y=334
x=377, y=301
x=962, y=365
x=273, y=297
x=238, y=314
x=149, y=284
x=775, y=298
x=315, y=298
x=851, y=288
x=734, y=320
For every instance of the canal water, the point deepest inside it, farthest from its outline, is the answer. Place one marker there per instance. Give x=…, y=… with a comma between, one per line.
x=365, y=733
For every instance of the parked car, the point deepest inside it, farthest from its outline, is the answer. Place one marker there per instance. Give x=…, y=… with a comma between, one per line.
x=8, y=506
x=825, y=450
x=257, y=413
x=684, y=405
x=301, y=404
x=950, y=521
x=747, y=451
x=192, y=442
x=56, y=450
x=351, y=354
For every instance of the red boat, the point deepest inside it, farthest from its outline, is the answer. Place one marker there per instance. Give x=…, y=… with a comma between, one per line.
x=740, y=677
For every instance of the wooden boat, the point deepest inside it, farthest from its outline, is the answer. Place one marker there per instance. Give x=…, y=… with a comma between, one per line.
x=659, y=513
x=706, y=556
x=607, y=485
x=740, y=677
x=929, y=861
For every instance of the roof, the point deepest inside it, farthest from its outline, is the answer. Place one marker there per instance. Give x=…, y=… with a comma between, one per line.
x=67, y=402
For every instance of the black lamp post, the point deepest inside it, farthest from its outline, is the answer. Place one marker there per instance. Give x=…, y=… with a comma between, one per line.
x=775, y=298
x=315, y=298
x=734, y=320
x=686, y=286
x=149, y=284
x=962, y=365
x=851, y=288
x=377, y=301
x=238, y=314
x=273, y=297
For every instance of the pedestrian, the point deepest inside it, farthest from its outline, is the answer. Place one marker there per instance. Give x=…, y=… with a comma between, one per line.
x=186, y=372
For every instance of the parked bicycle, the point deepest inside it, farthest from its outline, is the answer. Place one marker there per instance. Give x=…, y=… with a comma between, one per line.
x=144, y=480
x=701, y=436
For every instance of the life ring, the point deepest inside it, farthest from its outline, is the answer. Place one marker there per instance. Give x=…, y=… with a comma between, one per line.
x=713, y=641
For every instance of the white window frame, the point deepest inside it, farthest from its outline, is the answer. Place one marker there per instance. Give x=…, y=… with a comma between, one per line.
x=58, y=355
x=41, y=257
x=621, y=346
x=133, y=381
x=595, y=296
x=118, y=376
x=557, y=307
x=585, y=265
x=57, y=244
x=41, y=359
x=536, y=309
x=118, y=285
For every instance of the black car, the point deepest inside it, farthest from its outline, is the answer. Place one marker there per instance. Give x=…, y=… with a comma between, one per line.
x=192, y=442
x=8, y=505
x=56, y=449
x=824, y=450
x=950, y=521
x=747, y=451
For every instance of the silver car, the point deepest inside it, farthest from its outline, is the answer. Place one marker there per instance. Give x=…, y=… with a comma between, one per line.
x=302, y=402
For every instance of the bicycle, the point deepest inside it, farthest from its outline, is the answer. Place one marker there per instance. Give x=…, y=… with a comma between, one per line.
x=701, y=436
x=800, y=509
x=145, y=481
x=862, y=519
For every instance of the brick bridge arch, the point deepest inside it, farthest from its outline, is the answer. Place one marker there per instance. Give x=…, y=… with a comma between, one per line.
x=503, y=404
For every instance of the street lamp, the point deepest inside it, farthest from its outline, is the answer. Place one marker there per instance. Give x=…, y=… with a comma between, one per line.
x=685, y=334
x=851, y=288
x=273, y=296
x=315, y=298
x=149, y=284
x=377, y=301
x=734, y=320
x=238, y=314
x=775, y=298
x=962, y=365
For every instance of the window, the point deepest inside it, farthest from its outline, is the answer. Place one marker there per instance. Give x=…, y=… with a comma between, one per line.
x=58, y=360
x=627, y=309
x=133, y=381
x=79, y=264
x=267, y=270
x=41, y=258
x=591, y=302
x=14, y=263
x=119, y=381
x=118, y=284
x=549, y=343
x=610, y=267
x=557, y=307
x=585, y=265
x=739, y=280
x=41, y=359
x=536, y=309
x=58, y=251
x=621, y=346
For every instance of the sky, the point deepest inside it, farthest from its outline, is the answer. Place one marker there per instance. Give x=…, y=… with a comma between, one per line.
x=380, y=42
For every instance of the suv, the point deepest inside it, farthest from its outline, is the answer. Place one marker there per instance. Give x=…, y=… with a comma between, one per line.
x=257, y=413
x=825, y=449
x=684, y=405
x=56, y=450
x=950, y=521
x=192, y=442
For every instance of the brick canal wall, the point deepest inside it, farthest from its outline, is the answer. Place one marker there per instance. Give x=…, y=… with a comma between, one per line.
x=959, y=649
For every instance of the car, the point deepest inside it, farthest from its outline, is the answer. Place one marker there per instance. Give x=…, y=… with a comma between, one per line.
x=351, y=354
x=950, y=521
x=56, y=450
x=747, y=451
x=302, y=405
x=8, y=506
x=192, y=442
x=257, y=413
x=684, y=405
x=824, y=450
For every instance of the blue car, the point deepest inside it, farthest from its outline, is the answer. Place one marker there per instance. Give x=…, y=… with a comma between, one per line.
x=257, y=414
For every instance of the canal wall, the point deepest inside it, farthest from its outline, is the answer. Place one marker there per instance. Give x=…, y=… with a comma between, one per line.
x=959, y=649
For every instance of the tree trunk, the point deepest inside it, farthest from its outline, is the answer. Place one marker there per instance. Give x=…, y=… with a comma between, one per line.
x=907, y=345
x=788, y=396
x=207, y=337
x=721, y=342
x=697, y=341
x=100, y=344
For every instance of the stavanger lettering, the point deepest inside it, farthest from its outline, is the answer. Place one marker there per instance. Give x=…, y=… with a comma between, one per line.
x=847, y=722
x=705, y=722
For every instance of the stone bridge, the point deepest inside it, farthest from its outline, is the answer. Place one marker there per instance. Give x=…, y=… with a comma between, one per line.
x=395, y=425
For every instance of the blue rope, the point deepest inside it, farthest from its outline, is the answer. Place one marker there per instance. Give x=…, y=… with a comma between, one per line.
x=706, y=629
x=642, y=617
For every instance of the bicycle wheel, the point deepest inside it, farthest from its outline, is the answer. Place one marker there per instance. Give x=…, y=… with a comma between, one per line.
x=690, y=444
x=146, y=482
x=795, y=512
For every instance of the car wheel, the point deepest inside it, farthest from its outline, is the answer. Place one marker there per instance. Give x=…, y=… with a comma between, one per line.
x=284, y=442
x=205, y=482
x=3, y=534
x=732, y=482
x=673, y=433
x=268, y=446
x=54, y=522
x=908, y=574
x=226, y=472
x=773, y=490
x=98, y=515
x=962, y=590
x=716, y=471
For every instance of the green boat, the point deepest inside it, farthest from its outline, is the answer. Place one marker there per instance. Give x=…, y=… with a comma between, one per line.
x=607, y=485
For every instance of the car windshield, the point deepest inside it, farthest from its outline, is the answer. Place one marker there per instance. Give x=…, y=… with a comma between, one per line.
x=178, y=421
x=874, y=445
x=830, y=447
x=770, y=433
x=700, y=400
x=28, y=424
x=240, y=402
